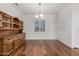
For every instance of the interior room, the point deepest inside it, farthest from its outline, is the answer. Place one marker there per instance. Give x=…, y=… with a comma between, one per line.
x=39, y=29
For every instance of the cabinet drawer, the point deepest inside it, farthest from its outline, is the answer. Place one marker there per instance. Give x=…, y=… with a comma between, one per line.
x=8, y=40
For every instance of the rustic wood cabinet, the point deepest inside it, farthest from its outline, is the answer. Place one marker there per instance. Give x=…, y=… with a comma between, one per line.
x=12, y=39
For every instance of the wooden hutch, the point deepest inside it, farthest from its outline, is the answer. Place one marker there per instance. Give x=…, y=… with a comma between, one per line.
x=12, y=38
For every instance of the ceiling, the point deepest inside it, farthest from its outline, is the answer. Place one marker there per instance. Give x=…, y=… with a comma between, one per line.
x=46, y=8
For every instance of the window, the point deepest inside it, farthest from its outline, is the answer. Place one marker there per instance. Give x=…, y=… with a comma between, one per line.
x=39, y=25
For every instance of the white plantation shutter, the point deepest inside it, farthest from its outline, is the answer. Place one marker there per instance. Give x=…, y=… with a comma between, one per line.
x=39, y=25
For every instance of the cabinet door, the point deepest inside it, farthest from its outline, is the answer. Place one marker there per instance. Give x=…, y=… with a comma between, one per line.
x=0, y=20
x=0, y=17
x=0, y=23
x=8, y=44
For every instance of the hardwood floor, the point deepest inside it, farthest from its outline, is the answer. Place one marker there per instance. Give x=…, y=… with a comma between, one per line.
x=48, y=48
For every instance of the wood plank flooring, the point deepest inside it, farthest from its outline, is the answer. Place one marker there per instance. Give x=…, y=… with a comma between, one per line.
x=48, y=48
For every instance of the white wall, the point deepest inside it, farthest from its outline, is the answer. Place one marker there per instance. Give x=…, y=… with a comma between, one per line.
x=68, y=33
x=64, y=20
x=9, y=8
x=75, y=25
x=50, y=30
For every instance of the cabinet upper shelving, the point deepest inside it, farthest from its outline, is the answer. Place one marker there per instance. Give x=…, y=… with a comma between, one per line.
x=10, y=22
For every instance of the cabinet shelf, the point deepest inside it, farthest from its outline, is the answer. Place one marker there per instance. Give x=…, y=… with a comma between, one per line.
x=15, y=24
x=6, y=22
